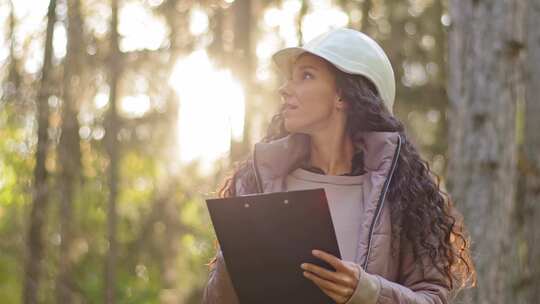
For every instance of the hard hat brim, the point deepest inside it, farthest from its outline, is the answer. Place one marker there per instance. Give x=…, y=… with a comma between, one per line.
x=285, y=58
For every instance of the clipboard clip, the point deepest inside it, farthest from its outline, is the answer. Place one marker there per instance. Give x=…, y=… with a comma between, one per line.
x=247, y=205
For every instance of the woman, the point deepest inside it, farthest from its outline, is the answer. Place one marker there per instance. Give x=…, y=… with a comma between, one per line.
x=400, y=240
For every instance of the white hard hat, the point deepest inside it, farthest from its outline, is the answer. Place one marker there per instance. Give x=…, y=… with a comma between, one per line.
x=350, y=51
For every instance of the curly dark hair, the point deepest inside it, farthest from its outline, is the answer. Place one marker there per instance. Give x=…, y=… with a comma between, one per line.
x=421, y=211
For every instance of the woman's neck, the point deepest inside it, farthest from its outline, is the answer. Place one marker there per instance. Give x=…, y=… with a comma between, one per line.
x=332, y=153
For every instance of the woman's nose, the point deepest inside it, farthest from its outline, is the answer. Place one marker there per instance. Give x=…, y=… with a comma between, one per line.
x=285, y=91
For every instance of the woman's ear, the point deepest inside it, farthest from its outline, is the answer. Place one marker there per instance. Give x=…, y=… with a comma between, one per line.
x=341, y=105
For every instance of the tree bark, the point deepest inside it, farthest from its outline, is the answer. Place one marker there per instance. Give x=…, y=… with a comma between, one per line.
x=112, y=128
x=216, y=48
x=300, y=21
x=35, y=238
x=526, y=287
x=366, y=7
x=245, y=64
x=12, y=86
x=69, y=147
x=485, y=77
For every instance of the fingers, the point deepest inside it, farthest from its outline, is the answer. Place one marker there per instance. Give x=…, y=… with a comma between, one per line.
x=337, y=290
x=338, y=277
x=332, y=260
x=338, y=285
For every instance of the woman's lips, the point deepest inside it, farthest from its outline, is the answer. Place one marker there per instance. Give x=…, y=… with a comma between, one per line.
x=289, y=108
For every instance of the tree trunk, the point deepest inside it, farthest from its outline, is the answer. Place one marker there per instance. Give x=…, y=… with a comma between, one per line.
x=244, y=63
x=35, y=238
x=69, y=147
x=300, y=21
x=12, y=86
x=216, y=48
x=529, y=211
x=366, y=7
x=113, y=154
x=485, y=77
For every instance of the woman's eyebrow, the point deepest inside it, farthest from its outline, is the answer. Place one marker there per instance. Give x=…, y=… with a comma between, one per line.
x=303, y=67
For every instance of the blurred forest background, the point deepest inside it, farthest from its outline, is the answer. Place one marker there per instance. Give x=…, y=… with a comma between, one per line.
x=118, y=117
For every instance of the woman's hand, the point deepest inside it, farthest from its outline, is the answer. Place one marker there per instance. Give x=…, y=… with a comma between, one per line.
x=338, y=285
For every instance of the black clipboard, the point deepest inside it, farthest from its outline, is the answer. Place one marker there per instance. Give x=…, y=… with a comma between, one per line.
x=264, y=239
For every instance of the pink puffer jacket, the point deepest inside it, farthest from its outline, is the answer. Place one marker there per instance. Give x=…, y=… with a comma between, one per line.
x=384, y=278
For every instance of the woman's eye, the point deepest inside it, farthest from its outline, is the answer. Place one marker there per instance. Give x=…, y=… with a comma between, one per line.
x=307, y=75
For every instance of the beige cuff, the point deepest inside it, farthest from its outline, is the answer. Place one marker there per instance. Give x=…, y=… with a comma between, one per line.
x=367, y=290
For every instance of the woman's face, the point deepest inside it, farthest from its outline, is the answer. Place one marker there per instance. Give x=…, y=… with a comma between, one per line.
x=310, y=95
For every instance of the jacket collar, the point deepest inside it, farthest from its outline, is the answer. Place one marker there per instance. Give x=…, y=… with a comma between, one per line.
x=278, y=158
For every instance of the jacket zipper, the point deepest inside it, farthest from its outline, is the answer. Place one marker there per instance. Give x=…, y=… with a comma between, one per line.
x=381, y=201
x=256, y=171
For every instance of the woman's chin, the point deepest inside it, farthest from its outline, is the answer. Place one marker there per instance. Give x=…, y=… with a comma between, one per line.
x=295, y=125
x=292, y=127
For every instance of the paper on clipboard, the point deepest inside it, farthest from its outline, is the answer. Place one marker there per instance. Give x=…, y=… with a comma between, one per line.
x=264, y=239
